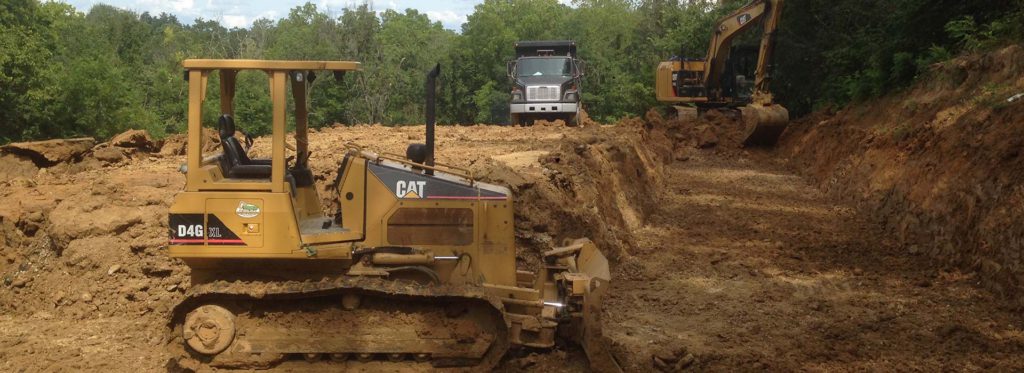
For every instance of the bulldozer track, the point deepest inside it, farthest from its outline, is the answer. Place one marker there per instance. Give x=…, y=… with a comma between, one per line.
x=295, y=292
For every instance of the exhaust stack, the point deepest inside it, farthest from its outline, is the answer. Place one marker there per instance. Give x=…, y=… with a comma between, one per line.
x=431, y=104
x=424, y=153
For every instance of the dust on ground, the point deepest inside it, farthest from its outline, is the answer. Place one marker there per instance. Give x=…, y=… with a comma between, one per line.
x=722, y=260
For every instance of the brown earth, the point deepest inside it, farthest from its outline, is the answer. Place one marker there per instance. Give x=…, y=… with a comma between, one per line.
x=940, y=165
x=722, y=258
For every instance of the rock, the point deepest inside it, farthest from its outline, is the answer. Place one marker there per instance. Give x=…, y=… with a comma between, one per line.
x=684, y=362
x=914, y=249
x=138, y=139
x=31, y=223
x=74, y=219
x=176, y=144
x=86, y=297
x=706, y=138
x=13, y=166
x=172, y=287
x=109, y=154
x=42, y=315
x=654, y=118
x=113, y=269
x=668, y=359
x=20, y=282
x=665, y=353
x=58, y=299
x=528, y=361
x=173, y=145
x=50, y=152
x=681, y=154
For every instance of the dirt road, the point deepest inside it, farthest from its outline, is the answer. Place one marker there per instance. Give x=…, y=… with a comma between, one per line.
x=722, y=256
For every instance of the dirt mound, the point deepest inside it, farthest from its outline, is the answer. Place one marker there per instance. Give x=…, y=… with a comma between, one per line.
x=599, y=183
x=175, y=144
x=14, y=166
x=137, y=139
x=74, y=253
x=50, y=152
x=940, y=164
x=719, y=132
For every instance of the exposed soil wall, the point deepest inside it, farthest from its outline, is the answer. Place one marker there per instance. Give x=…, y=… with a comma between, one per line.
x=939, y=165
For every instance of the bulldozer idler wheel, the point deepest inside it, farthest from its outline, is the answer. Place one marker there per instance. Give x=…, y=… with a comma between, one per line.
x=209, y=329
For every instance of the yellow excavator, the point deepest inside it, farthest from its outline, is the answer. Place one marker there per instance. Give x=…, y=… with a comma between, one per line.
x=704, y=82
x=415, y=271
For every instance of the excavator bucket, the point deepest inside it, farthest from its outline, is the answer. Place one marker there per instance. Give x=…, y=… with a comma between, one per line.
x=764, y=123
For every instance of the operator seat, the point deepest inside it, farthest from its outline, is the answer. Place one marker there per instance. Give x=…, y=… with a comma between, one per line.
x=235, y=163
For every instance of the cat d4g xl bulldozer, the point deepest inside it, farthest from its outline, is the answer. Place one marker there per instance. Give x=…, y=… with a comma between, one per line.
x=416, y=271
x=713, y=82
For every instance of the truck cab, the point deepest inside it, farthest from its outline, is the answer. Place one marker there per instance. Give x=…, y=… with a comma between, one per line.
x=546, y=79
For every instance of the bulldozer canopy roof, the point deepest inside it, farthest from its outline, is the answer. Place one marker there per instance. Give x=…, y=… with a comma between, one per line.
x=206, y=64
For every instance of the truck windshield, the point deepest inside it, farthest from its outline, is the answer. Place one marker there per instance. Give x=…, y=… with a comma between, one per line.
x=543, y=67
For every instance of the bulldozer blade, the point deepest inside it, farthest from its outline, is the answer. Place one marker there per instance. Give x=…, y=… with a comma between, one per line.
x=764, y=124
x=591, y=262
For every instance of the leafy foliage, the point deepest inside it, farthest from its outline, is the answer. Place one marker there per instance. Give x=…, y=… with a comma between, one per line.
x=831, y=53
x=64, y=72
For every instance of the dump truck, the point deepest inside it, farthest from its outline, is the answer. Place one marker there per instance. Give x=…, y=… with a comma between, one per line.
x=416, y=270
x=546, y=79
x=710, y=83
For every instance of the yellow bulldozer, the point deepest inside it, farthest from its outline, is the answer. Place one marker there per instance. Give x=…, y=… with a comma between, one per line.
x=416, y=271
x=705, y=82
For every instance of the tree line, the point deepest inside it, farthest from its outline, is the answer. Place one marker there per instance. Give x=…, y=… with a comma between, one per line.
x=68, y=72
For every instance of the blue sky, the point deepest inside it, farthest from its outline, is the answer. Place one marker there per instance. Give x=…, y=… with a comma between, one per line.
x=241, y=13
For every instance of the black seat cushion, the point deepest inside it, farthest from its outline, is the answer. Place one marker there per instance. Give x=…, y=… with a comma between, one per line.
x=236, y=163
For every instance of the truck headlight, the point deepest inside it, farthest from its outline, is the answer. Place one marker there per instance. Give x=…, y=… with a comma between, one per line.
x=571, y=96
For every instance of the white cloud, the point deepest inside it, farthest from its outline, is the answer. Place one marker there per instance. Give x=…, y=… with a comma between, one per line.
x=447, y=17
x=270, y=14
x=234, y=21
x=182, y=5
x=241, y=13
x=178, y=6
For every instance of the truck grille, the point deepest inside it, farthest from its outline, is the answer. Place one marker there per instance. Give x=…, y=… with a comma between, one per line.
x=542, y=93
